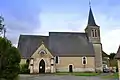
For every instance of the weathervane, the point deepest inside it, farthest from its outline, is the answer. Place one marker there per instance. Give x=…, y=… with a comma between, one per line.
x=90, y=3
x=2, y=28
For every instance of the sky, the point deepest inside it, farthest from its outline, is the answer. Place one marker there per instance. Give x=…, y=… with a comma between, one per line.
x=38, y=17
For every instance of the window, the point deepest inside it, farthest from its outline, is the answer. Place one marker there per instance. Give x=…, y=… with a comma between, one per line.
x=92, y=33
x=95, y=33
x=42, y=52
x=84, y=60
x=56, y=59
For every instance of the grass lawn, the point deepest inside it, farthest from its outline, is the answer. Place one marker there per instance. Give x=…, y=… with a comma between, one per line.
x=112, y=75
x=78, y=73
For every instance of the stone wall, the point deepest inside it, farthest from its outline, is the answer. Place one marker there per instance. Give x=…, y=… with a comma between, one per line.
x=76, y=62
x=98, y=56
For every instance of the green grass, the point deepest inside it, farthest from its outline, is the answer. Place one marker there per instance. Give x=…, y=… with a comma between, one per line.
x=112, y=75
x=78, y=73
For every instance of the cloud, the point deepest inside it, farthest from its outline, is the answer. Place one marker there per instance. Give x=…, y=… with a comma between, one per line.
x=110, y=29
x=60, y=22
x=111, y=40
x=15, y=27
x=18, y=23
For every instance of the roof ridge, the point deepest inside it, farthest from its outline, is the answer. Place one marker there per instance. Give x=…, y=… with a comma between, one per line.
x=70, y=32
x=34, y=35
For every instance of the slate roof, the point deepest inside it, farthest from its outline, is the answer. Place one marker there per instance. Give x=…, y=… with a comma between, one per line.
x=28, y=44
x=70, y=44
x=91, y=20
x=58, y=43
x=117, y=56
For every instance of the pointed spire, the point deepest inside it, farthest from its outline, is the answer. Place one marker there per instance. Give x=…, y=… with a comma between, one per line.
x=91, y=21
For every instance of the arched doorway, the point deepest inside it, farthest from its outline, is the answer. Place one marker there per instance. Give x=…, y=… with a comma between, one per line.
x=70, y=68
x=42, y=66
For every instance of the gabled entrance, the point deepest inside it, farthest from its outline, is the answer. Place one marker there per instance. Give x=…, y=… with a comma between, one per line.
x=70, y=68
x=42, y=66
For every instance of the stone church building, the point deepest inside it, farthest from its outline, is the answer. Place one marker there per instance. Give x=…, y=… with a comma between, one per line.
x=63, y=51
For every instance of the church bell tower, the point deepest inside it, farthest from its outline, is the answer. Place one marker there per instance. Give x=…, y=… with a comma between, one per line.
x=93, y=32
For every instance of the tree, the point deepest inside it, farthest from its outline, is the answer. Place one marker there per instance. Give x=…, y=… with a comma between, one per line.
x=4, y=45
x=112, y=55
x=112, y=60
x=9, y=60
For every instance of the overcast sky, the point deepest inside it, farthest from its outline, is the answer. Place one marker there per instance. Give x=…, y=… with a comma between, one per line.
x=42, y=16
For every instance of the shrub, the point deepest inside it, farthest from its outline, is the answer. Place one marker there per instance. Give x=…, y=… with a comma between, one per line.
x=9, y=60
x=24, y=69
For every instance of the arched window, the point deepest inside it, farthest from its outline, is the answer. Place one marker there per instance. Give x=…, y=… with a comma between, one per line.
x=92, y=33
x=42, y=52
x=84, y=60
x=96, y=33
x=56, y=59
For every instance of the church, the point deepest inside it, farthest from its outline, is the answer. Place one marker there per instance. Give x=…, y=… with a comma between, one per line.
x=63, y=51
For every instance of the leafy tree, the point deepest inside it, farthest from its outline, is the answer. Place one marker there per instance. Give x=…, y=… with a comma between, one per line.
x=9, y=60
x=112, y=55
x=4, y=45
x=113, y=61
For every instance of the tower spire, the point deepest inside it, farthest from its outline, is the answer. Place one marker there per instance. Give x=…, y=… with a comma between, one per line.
x=91, y=20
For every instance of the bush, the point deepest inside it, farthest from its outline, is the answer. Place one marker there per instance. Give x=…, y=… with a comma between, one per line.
x=24, y=69
x=9, y=60
x=11, y=72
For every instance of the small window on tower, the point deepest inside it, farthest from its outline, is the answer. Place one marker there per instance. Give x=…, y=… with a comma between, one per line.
x=92, y=33
x=95, y=33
